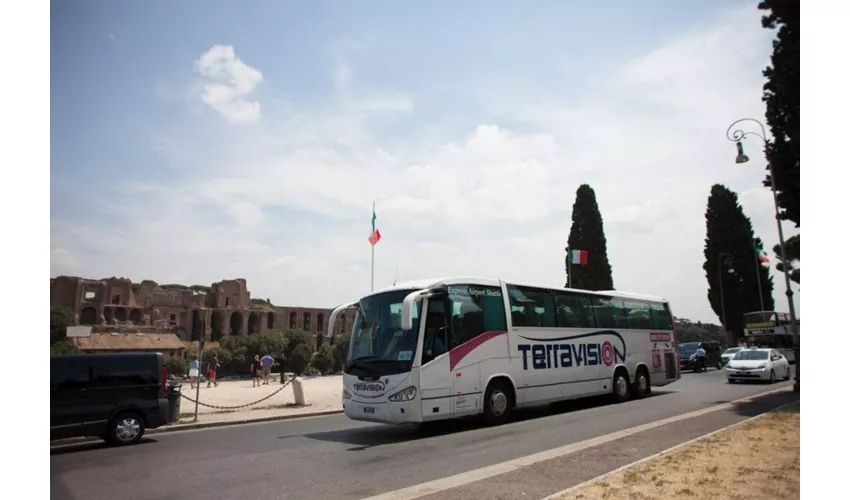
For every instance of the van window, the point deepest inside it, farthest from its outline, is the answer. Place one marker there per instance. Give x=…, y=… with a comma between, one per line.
x=69, y=373
x=124, y=370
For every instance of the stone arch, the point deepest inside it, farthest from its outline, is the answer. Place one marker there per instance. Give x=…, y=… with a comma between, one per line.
x=88, y=316
x=217, y=325
x=236, y=319
x=120, y=314
x=253, y=322
x=197, y=325
x=270, y=320
x=293, y=320
x=108, y=315
x=136, y=316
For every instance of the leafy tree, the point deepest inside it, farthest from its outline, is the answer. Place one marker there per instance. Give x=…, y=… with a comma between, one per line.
x=730, y=245
x=323, y=360
x=340, y=351
x=63, y=347
x=792, y=253
x=243, y=348
x=300, y=358
x=60, y=319
x=294, y=338
x=588, y=234
x=177, y=366
x=782, y=100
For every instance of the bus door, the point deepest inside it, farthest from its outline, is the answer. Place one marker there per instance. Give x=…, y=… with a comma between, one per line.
x=435, y=376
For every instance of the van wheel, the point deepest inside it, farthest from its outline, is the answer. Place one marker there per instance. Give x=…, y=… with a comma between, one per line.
x=126, y=428
x=720, y=365
x=642, y=385
x=620, y=387
x=498, y=403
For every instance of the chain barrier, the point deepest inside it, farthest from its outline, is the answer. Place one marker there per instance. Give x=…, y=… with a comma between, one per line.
x=217, y=407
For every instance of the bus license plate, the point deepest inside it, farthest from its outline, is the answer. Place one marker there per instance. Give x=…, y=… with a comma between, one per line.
x=369, y=410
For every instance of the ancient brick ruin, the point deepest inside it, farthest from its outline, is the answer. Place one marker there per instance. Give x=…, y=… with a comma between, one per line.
x=221, y=309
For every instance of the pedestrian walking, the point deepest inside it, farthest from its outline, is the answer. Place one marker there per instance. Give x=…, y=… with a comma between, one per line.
x=256, y=370
x=267, y=361
x=212, y=368
x=194, y=370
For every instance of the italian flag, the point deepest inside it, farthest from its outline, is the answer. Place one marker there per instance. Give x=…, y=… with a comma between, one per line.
x=578, y=257
x=375, y=237
x=763, y=258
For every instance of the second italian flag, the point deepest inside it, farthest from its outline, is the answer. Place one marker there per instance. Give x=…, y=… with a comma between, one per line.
x=578, y=257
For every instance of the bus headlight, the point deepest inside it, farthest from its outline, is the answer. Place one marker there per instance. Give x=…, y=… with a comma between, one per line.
x=345, y=393
x=404, y=395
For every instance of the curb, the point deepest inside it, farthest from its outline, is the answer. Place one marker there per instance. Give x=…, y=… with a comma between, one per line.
x=203, y=425
x=564, y=493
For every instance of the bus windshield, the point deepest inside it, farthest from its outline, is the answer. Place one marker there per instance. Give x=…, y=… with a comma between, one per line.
x=760, y=317
x=378, y=344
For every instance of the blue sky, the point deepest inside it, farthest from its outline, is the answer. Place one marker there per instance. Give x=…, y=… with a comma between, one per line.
x=196, y=141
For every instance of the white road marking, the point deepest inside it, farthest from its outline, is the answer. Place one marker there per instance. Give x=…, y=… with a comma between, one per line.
x=564, y=493
x=438, y=485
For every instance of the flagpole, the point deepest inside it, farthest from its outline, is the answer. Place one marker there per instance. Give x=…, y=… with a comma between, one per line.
x=373, y=250
x=758, y=274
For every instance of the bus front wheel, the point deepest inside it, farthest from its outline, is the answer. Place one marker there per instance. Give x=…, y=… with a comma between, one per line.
x=620, y=389
x=498, y=403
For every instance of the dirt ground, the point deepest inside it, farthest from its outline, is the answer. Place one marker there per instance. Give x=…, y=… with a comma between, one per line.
x=758, y=460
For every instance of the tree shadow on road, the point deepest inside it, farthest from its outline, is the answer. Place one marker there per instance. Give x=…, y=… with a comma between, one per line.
x=369, y=437
x=762, y=404
x=91, y=446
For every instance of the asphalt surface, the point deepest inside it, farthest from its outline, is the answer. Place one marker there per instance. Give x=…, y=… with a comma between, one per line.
x=335, y=458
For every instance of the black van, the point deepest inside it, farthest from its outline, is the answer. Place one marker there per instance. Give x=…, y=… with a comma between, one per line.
x=712, y=354
x=111, y=396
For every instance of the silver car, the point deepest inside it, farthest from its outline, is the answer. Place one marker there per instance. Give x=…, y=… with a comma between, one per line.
x=763, y=364
x=728, y=354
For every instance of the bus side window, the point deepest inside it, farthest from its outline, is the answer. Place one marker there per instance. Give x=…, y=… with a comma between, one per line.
x=480, y=309
x=660, y=316
x=638, y=314
x=574, y=310
x=537, y=307
x=610, y=312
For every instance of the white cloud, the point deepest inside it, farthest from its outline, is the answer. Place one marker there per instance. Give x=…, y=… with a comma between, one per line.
x=231, y=82
x=496, y=201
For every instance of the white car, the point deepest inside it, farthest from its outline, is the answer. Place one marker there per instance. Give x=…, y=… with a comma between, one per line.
x=728, y=354
x=758, y=364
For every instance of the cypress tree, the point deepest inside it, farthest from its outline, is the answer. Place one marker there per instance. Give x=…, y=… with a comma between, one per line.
x=731, y=245
x=588, y=234
x=782, y=101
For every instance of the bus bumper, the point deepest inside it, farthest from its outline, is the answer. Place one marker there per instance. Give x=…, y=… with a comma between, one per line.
x=383, y=411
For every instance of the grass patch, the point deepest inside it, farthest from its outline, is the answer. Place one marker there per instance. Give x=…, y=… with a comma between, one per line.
x=759, y=460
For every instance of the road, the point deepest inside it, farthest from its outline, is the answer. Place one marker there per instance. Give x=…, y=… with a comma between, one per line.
x=335, y=458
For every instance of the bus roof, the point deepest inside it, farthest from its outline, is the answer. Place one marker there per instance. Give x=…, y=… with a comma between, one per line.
x=475, y=280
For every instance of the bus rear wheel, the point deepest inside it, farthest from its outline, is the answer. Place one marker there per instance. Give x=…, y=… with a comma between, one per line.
x=498, y=403
x=642, y=385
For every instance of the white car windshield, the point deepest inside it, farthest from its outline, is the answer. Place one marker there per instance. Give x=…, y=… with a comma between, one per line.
x=750, y=356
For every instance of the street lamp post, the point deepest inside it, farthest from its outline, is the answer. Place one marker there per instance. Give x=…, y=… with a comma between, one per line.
x=724, y=259
x=737, y=136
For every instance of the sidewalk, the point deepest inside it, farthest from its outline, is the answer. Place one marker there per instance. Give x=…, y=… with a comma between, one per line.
x=322, y=394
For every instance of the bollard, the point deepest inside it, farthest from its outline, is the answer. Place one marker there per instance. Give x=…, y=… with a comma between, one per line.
x=298, y=392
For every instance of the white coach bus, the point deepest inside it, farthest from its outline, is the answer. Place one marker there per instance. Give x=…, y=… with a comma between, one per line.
x=454, y=347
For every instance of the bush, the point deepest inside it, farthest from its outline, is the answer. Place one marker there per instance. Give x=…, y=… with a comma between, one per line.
x=225, y=357
x=176, y=366
x=340, y=351
x=323, y=360
x=63, y=347
x=300, y=358
x=243, y=348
